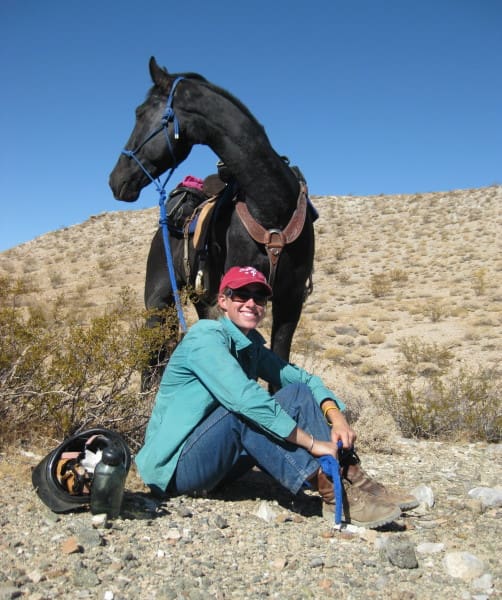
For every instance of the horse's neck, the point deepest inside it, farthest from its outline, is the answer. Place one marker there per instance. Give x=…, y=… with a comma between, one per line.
x=268, y=184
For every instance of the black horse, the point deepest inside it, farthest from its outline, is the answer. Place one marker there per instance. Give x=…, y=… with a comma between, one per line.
x=198, y=112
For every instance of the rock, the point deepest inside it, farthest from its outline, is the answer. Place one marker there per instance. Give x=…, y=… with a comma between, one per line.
x=483, y=583
x=278, y=563
x=400, y=552
x=474, y=505
x=184, y=512
x=36, y=576
x=266, y=512
x=429, y=548
x=89, y=538
x=220, y=522
x=424, y=495
x=71, y=546
x=173, y=534
x=84, y=578
x=463, y=565
x=316, y=562
x=99, y=521
x=488, y=496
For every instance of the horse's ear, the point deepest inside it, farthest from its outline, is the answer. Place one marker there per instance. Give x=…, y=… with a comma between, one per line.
x=159, y=76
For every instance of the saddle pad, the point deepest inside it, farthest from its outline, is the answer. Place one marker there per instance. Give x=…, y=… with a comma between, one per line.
x=204, y=213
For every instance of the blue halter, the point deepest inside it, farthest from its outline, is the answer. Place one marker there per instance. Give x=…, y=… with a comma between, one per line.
x=168, y=116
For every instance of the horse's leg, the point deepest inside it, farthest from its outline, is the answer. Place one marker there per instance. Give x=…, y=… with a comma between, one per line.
x=285, y=317
x=159, y=296
x=295, y=267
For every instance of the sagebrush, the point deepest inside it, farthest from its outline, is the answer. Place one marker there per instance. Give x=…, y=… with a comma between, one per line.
x=434, y=400
x=59, y=376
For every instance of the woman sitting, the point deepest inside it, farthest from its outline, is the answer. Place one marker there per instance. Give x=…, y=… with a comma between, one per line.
x=211, y=415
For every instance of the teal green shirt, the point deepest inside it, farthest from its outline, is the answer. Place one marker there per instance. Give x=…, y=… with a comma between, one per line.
x=216, y=364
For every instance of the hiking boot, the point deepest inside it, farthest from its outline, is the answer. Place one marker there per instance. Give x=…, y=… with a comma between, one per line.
x=355, y=475
x=359, y=507
x=321, y=483
x=363, y=509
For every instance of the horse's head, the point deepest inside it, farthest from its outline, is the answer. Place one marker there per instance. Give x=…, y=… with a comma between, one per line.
x=154, y=145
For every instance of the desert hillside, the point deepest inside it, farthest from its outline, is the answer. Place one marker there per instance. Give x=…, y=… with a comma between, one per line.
x=405, y=288
x=424, y=267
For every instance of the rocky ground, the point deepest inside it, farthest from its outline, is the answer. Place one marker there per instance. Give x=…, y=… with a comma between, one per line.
x=253, y=540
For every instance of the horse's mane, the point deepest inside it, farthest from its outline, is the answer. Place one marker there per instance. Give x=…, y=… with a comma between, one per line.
x=189, y=75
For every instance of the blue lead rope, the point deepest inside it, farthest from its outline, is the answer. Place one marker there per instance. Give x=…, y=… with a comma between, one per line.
x=168, y=116
x=331, y=468
x=170, y=264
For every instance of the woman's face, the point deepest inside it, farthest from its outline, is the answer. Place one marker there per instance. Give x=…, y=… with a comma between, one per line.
x=245, y=306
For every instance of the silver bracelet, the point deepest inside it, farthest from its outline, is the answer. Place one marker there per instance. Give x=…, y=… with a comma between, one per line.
x=312, y=444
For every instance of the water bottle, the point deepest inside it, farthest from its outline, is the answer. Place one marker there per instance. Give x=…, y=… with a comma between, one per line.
x=108, y=483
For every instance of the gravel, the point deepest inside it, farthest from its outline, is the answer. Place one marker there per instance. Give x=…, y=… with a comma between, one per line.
x=254, y=540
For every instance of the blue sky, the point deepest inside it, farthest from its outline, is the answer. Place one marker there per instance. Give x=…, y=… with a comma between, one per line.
x=366, y=96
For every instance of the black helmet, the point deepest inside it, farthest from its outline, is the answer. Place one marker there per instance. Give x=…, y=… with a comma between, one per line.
x=63, y=478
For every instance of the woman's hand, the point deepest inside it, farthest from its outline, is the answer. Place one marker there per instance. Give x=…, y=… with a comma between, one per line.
x=323, y=448
x=341, y=430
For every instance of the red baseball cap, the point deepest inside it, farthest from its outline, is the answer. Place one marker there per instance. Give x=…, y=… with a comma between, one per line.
x=237, y=277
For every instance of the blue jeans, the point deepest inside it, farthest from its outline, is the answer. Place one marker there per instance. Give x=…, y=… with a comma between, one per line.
x=220, y=443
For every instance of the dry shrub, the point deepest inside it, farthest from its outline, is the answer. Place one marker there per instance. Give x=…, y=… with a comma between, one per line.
x=376, y=337
x=344, y=277
x=432, y=400
x=340, y=252
x=376, y=429
x=371, y=368
x=380, y=285
x=334, y=354
x=56, y=279
x=398, y=275
x=416, y=352
x=479, y=281
x=58, y=376
x=458, y=406
x=435, y=310
x=105, y=264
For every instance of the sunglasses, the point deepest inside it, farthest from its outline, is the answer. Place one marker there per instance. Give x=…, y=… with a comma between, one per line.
x=244, y=296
